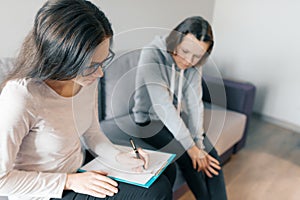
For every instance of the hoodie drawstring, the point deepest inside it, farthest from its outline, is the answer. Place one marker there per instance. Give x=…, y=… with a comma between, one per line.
x=172, y=87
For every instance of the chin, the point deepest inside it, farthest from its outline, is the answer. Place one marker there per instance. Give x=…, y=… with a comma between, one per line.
x=184, y=67
x=85, y=82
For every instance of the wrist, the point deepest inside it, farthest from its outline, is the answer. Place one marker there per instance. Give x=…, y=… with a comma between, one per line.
x=69, y=180
x=199, y=143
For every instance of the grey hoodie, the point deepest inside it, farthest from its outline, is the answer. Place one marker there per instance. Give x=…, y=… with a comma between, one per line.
x=160, y=95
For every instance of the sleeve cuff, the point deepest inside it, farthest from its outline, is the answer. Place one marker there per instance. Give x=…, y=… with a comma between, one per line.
x=199, y=142
x=187, y=142
x=60, y=188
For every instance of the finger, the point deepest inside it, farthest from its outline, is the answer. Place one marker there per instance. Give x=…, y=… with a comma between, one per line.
x=100, y=172
x=204, y=163
x=95, y=193
x=214, y=165
x=194, y=161
x=144, y=157
x=200, y=165
x=101, y=191
x=213, y=171
x=106, y=179
x=212, y=159
x=106, y=187
x=207, y=173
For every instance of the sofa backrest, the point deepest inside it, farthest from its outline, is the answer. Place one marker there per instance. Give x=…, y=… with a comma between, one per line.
x=6, y=65
x=117, y=87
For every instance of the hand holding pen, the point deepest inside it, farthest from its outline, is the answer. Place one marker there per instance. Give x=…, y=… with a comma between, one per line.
x=140, y=154
x=136, y=160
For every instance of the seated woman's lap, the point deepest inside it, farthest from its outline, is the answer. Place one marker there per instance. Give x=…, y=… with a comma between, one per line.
x=160, y=190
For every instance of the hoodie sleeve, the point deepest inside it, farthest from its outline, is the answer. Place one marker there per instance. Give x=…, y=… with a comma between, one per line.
x=161, y=100
x=194, y=104
x=16, y=119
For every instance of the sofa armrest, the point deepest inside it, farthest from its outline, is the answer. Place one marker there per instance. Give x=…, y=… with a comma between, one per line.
x=239, y=97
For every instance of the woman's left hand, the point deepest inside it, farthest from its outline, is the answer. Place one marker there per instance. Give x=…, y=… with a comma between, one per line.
x=213, y=166
x=203, y=161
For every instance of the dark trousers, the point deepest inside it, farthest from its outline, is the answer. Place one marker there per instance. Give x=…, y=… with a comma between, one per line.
x=203, y=187
x=161, y=189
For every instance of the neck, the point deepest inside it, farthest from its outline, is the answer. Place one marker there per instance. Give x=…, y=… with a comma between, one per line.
x=64, y=88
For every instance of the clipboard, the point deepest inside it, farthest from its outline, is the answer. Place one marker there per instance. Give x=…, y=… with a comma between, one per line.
x=157, y=164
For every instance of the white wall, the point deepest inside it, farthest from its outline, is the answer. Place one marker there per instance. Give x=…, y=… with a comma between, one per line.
x=258, y=41
x=16, y=19
x=135, y=22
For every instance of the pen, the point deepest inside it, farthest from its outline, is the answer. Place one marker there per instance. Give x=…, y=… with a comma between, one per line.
x=134, y=148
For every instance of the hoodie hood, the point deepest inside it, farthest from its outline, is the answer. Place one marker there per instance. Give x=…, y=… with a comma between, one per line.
x=159, y=43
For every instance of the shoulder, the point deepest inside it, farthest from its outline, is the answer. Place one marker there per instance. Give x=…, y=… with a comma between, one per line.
x=16, y=92
x=16, y=87
x=194, y=73
x=15, y=99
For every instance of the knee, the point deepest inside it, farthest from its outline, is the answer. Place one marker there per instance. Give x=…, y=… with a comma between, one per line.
x=161, y=189
x=170, y=172
x=213, y=152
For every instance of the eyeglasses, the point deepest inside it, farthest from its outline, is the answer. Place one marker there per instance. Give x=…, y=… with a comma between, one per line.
x=103, y=65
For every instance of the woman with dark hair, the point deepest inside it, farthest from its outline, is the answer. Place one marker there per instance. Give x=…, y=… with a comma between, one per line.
x=168, y=90
x=49, y=110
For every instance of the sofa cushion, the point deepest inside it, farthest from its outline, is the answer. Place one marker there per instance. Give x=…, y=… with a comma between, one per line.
x=120, y=129
x=223, y=127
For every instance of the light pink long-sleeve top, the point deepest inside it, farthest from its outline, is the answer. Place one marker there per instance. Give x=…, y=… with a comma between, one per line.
x=41, y=137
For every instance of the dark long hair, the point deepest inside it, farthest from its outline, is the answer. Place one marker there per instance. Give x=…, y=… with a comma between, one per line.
x=63, y=39
x=196, y=26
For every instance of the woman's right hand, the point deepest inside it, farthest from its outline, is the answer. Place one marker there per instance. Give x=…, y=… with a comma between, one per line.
x=203, y=161
x=130, y=161
x=93, y=183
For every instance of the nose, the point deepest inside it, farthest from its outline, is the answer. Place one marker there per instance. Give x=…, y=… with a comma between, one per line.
x=189, y=58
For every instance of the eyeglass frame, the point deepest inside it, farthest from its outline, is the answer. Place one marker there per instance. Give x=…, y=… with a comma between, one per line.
x=102, y=64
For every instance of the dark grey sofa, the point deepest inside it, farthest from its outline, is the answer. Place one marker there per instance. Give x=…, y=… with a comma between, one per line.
x=228, y=108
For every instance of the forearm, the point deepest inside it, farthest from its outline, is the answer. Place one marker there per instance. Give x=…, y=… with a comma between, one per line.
x=167, y=113
x=195, y=109
x=31, y=183
x=195, y=124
